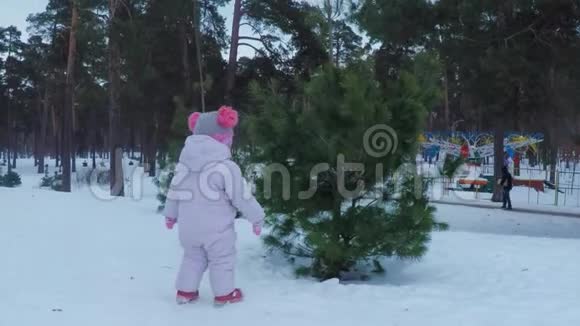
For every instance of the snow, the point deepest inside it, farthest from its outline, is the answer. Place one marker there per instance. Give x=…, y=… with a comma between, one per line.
x=81, y=259
x=521, y=197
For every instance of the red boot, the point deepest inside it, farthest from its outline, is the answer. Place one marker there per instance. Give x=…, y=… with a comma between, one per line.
x=234, y=297
x=186, y=297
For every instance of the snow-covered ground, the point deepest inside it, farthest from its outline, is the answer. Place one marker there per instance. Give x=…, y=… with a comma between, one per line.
x=79, y=259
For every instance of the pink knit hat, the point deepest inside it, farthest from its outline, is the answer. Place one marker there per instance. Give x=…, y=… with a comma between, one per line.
x=218, y=124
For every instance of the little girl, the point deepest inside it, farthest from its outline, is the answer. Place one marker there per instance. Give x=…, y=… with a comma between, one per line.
x=205, y=195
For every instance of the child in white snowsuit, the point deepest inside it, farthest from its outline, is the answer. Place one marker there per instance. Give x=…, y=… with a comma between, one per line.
x=205, y=195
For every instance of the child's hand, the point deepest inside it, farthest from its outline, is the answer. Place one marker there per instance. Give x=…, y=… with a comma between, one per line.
x=257, y=229
x=170, y=222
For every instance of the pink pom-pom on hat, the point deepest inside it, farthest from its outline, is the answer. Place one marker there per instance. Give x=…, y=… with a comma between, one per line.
x=192, y=120
x=227, y=117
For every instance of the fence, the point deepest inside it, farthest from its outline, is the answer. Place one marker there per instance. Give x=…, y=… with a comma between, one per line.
x=542, y=187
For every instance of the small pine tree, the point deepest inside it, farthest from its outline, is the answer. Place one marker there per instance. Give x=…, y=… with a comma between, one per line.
x=451, y=165
x=330, y=117
x=449, y=169
x=162, y=182
x=11, y=179
x=47, y=180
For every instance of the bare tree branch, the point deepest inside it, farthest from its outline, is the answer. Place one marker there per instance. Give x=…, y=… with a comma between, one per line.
x=251, y=38
x=253, y=47
x=127, y=8
x=262, y=41
x=527, y=29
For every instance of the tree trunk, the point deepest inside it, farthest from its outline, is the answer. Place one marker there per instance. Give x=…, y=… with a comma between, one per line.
x=74, y=145
x=446, y=97
x=8, y=104
x=131, y=145
x=11, y=135
x=553, y=162
x=114, y=53
x=14, y=145
x=94, y=157
x=197, y=35
x=67, y=127
x=186, y=66
x=93, y=141
x=9, y=143
x=152, y=155
x=500, y=124
x=152, y=162
x=330, y=22
x=142, y=146
x=73, y=159
x=43, y=131
x=498, y=161
x=57, y=149
x=233, y=60
x=8, y=155
x=36, y=132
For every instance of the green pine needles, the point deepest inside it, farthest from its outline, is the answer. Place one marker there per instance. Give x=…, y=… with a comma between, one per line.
x=10, y=180
x=335, y=215
x=450, y=166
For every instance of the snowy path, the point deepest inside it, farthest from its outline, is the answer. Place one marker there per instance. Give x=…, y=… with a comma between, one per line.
x=113, y=263
x=498, y=221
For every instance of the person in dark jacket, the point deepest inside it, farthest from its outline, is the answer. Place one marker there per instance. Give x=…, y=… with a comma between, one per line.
x=507, y=184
